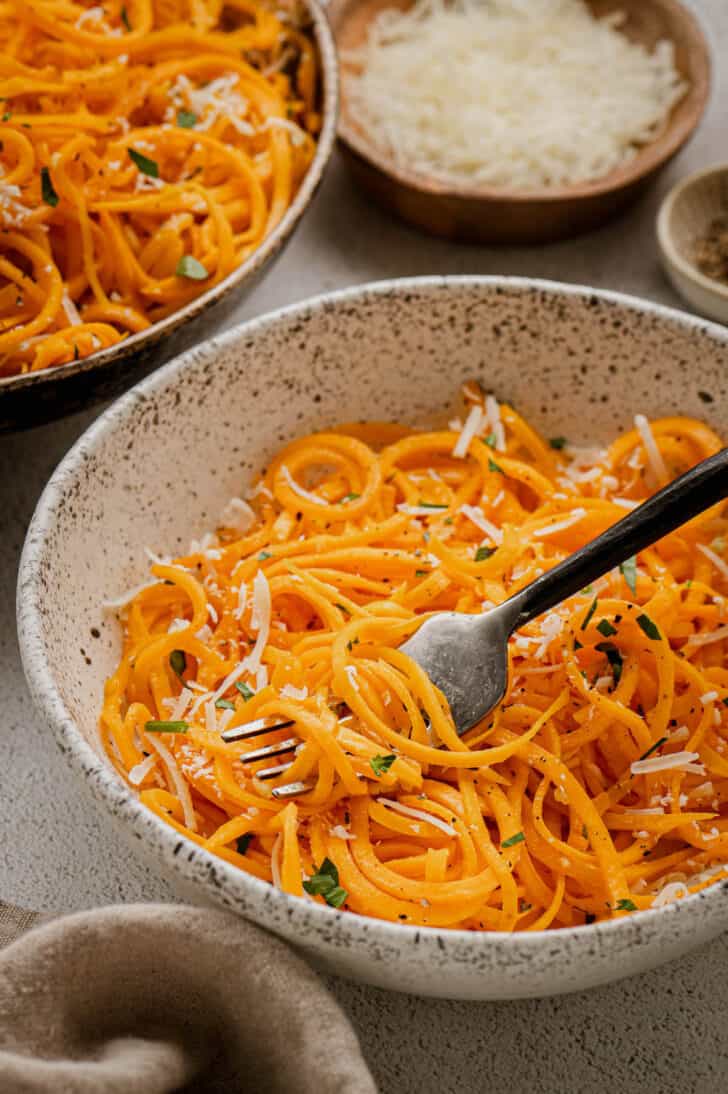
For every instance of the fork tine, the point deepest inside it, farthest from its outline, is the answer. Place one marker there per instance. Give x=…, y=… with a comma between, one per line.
x=273, y=772
x=291, y=790
x=252, y=729
x=268, y=751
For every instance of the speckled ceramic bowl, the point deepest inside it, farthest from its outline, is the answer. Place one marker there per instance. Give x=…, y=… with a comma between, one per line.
x=51, y=393
x=158, y=466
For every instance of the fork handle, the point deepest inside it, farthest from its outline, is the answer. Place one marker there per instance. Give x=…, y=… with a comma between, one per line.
x=694, y=492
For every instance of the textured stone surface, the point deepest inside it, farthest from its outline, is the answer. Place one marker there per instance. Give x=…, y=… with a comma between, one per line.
x=658, y=1033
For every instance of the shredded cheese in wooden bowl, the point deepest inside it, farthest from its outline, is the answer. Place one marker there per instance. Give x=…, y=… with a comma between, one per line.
x=511, y=94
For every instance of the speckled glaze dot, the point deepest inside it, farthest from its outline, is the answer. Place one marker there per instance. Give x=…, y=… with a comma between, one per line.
x=157, y=468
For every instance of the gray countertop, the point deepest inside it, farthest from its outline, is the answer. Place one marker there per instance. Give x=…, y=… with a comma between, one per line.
x=657, y=1033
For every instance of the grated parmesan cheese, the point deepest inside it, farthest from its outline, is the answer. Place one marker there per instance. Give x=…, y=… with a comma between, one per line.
x=436, y=84
x=297, y=489
x=654, y=456
x=675, y=761
x=418, y=814
x=470, y=430
x=237, y=515
x=481, y=522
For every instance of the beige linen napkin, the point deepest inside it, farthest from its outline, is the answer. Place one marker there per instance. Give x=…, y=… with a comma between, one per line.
x=159, y=998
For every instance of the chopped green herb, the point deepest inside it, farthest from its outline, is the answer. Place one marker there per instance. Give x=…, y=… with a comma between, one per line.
x=558, y=442
x=143, y=163
x=614, y=657
x=587, y=590
x=243, y=843
x=245, y=691
x=178, y=661
x=431, y=505
x=381, y=764
x=189, y=267
x=166, y=727
x=484, y=552
x=422, y=573
x=626, y=906
x=653, y=748
x=336, y=897
x=186, y=119
x=224, y=704
x=351, y=497
x=264, y=555
x=325, y=883
x=589, y=614
x=493, y=466
x=518, y=838
x=628, y=569
x=125, y=19
x=646, y=624
x=50, y=197
x=490, y=440
x=7, y=116
x=605, y=627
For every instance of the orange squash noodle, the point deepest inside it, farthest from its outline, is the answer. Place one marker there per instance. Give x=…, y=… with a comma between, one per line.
x=598, y=787
x=147, y=148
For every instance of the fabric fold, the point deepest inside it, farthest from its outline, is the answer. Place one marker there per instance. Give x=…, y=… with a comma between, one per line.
x=161, y=998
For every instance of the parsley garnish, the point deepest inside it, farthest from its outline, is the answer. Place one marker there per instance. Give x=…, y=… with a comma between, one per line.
x=351, y=497
x=518, y=838
x=490, y=440
x=325, y=883
x=7, y=116
x=264, y=555
x=431, y=505
x=605, y=627
x=243, y=843
x=558, y=442
x=143, y=163
x=166, y=727
x=125, y=19
x=589, y=614
x=626, y=906
x=421, y=573
x=50, y=197
x=493, y=466
x=189, y=267
x=628, y=569
x=224, y=704
x=245, y=691
x=614, y=657
x=381, y=764
x=654, y=748
x=186, y=119
x=178, y=661
x=484, y=552
x=646, y=624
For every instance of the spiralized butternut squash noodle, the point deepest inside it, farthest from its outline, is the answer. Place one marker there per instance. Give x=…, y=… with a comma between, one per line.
x=147, y=148
x=599, y=786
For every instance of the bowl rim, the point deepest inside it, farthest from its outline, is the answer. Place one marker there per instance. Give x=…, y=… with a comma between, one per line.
x=220, y=880
x=648, y=159
x=270, y=245
x=666, y=239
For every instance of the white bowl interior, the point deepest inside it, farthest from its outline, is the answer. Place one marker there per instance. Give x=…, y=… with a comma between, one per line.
x=157, y=468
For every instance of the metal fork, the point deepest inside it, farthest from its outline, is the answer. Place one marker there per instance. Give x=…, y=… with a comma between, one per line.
x=466, y=656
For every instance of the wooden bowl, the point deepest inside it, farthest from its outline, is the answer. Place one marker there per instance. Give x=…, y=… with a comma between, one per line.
x=487, y=215
x=37, y=397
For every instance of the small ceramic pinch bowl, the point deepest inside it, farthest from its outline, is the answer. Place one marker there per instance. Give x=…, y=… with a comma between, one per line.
x=684, y=217
x=479, y=214
x=37, y=397
x=158, y=466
